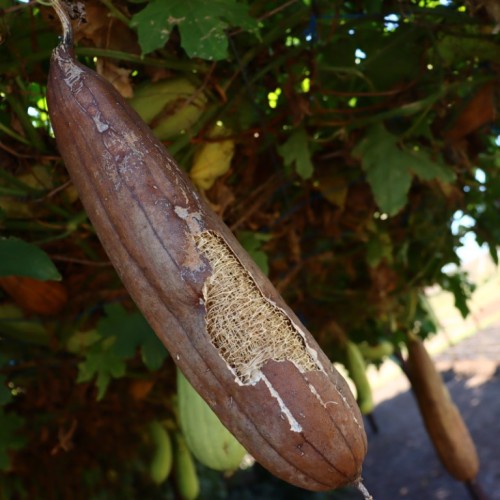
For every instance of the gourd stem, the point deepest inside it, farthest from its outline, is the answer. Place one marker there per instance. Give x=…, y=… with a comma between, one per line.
x=62, y=13
x=361, y=487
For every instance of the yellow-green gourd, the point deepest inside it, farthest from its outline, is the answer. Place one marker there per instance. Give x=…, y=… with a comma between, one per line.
x=169, y=106
x=161, y=463
x=209, y=441
x=357, y=371
x=376, y=352
x=186, y=477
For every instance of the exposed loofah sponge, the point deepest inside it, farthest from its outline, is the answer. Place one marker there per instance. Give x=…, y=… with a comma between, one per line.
x=245, y=327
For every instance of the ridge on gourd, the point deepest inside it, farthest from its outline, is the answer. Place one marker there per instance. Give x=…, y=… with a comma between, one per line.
x=288, y=407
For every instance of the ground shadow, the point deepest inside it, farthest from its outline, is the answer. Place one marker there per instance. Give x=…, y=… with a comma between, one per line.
x=401, y=462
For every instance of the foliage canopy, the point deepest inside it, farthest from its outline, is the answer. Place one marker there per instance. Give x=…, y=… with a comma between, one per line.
x=355, y=135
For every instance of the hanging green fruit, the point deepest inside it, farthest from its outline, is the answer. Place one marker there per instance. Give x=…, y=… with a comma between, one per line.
x=210, y=442
x=161, y=463
x=213, y=159
x=169, y=107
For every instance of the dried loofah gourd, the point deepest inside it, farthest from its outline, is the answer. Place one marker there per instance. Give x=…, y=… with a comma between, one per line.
x=267, y=380
x=246, y=328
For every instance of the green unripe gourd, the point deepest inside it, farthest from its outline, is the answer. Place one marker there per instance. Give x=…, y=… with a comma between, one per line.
x=357, y=371
x=209, y=441
x=169, y=106
x=186, y=477
x=161, y=464
x=378, y=352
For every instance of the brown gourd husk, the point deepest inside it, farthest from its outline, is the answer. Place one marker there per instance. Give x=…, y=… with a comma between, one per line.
x=445, y=426
x=301, y=424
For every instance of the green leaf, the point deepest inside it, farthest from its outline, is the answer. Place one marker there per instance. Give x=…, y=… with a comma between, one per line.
x=455, y=49
x=153, y=26
x=14, y=324
x=387, y=175
x=252, y=243
x=130, y=331
x=461, y=288
x=403, y=45
x=389, y=168
x=10, y=424
x=295, y=151
x=493, y=251
x=153, y=352
x=104, y=364
x=127, y=330
x=390, y=184
x=19, y=258
x=425, y=168
x=79, y=342
x=201, y=25
x=379, y=247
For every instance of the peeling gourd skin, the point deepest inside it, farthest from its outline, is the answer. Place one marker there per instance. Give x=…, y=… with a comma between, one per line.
x=304, y=426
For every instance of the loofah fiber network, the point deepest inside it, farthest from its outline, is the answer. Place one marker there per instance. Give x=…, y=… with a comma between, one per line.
x=245, y=327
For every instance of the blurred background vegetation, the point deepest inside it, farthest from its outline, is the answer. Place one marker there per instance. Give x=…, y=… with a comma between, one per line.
x=351, y=146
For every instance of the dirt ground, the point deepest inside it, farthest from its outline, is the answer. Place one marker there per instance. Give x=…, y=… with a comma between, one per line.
x=401, y=462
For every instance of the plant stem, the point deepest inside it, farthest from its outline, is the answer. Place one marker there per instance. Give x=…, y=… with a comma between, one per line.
x=5, y=191
x=21, y=113
x=146, y=61
x=14, y=135
x=63, y=16
x=187, y=66
x=361, y=487
x=25, y=189
x=116, y=12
